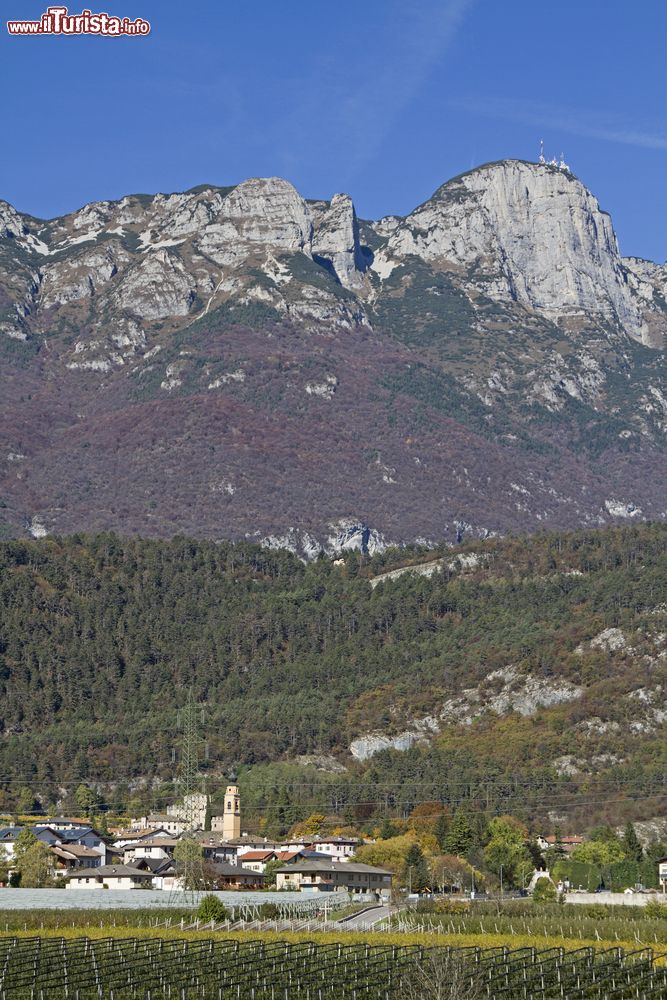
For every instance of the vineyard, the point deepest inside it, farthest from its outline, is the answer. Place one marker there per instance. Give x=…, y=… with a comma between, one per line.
x=612, y=924
x=40, y=968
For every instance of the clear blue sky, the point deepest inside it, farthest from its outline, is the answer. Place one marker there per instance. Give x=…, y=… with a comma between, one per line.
x=383, y=99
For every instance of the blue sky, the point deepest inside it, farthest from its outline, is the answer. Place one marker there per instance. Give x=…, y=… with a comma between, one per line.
x=382, y=99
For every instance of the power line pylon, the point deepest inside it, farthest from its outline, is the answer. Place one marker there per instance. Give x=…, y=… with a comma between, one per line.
x=190, y=865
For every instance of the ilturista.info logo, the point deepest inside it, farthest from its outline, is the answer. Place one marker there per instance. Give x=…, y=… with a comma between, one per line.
x=58, y=21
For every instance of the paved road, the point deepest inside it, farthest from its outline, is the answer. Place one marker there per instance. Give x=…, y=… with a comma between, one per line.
x=367, y=918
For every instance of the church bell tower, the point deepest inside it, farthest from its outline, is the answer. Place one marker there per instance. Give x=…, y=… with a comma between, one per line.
x=231, y=819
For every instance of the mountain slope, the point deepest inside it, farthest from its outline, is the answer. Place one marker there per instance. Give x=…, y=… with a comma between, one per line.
x=523, y=671
x=240, y=362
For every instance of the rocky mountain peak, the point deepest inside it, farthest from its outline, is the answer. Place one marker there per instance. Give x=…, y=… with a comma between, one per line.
x=532, y=233
x=336, y=238
x=327, y=381
x=270, y=210
x=11, y=223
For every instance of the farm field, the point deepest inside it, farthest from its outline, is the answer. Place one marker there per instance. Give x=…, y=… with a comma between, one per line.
x=645, y=925
x=83, y=968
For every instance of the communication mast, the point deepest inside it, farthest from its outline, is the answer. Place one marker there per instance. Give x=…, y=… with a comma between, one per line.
x=553, y=162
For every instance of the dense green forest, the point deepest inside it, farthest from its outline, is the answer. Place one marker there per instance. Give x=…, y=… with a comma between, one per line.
x=101, y=638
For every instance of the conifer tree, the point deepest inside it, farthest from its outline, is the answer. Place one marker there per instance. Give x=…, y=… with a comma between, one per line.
x=415, y=872
x=631, y=844
x=441, y=829
x=388, y=830
x=460, y=837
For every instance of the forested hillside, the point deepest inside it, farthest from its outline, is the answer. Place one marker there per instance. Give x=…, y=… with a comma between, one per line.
x=536, y=669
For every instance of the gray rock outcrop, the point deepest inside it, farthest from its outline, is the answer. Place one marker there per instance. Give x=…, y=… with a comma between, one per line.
x=533, y=234
x=336, y=238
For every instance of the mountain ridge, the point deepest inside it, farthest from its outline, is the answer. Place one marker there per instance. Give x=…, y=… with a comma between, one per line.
x=500, y=364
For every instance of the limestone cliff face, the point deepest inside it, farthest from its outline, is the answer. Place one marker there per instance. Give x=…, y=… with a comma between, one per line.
x=328, y=382
x=80, y=276
x=12, y=225
x=649, y=282
x=336, y=238
x=270, y=210
x=531, y=233
x=117, y=269
x=514, y=231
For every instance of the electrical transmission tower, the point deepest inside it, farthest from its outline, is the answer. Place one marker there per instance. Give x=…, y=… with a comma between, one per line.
x=190, y=865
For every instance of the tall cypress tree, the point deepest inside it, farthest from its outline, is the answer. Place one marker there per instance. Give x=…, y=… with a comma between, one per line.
x=631, y=844
x=441, y=830
x=415, y=871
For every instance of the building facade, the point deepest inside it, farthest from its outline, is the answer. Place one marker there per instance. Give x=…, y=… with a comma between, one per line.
x=329, y=876
x=110, y=877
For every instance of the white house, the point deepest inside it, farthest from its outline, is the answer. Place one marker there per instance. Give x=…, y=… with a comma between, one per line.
x=662, y=874
x=256, y=861
x=566, y=844
x=159, y=848
x=110, y=876
x=337, y=848
x=65, y=823
x=245, y=843
x=125, y=837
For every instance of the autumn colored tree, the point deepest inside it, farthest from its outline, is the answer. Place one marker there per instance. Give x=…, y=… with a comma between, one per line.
x=309, y=827
x=390, y=854
x=506, y=853
x=37, y=867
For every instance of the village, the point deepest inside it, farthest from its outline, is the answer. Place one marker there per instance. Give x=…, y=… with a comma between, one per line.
x=148, y=854
x=145, y=855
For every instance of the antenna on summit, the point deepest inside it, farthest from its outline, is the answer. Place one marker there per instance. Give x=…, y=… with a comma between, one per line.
x=553, y=162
